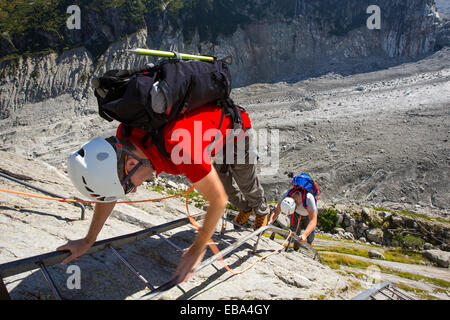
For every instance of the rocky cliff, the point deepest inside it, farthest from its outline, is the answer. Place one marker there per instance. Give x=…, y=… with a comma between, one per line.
x=32, y=226
x=365, y=138
x=270, y=41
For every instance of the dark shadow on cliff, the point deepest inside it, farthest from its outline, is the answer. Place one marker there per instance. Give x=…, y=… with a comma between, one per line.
x=343, y=67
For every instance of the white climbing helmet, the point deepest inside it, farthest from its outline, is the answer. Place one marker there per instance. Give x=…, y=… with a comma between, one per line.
x=288, y=205
x=93, y=171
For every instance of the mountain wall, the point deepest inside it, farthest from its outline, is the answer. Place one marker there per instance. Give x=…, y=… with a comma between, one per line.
x=269, y=40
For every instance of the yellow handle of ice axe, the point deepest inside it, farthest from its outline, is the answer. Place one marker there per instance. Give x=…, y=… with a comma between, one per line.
x=170, y=54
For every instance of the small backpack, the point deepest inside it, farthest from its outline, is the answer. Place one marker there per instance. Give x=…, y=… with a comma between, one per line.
x=306, y=184
x=124, y=95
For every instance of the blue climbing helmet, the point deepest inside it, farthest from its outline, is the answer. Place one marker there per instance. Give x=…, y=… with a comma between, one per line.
x=304, y=183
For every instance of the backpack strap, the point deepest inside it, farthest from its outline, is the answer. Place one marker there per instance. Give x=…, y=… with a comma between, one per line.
x=303, y=191
x=126, y=130
x=234, y=111
x=157, y=140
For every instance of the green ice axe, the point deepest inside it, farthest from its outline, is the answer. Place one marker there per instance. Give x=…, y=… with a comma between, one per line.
x=170, y=54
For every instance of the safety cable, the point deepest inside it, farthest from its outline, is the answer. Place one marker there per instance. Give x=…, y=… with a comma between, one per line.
x=91, y=202
x=215, y=250
x=210, y=242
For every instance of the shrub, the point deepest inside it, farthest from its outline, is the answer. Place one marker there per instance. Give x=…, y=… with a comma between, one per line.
x=408, y=241
x=327, y=220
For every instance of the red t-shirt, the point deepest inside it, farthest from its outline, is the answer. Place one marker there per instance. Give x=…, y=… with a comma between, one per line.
x=186, y=139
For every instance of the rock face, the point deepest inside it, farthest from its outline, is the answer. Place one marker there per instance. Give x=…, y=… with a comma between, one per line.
x=375, y=254
x=375, y=235
x=310, y=39
x=365, y=138
x=388, y=228
x=34, y=226
x=442, y=258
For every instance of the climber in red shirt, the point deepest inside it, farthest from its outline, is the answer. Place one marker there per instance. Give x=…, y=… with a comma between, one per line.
x=197, y=145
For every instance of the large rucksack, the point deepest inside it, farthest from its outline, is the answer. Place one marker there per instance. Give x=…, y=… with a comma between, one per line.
x=124, y=95
x=306, y=184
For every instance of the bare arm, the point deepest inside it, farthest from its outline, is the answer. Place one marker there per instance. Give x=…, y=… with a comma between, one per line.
x=212, y=189
x=79, y=247
x=312, y=214
x=275, y=213
x=101, y=214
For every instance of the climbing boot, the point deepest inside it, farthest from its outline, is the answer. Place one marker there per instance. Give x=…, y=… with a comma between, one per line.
x=260, y=221
x=242, y=218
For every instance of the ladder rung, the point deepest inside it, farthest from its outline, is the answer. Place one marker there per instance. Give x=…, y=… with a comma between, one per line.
x=50, y=282
x=132, y=269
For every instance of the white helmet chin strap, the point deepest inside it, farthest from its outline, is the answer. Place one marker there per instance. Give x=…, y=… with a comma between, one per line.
x=129, y=186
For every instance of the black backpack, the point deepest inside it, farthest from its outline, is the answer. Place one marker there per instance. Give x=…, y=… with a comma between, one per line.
x=124, y=95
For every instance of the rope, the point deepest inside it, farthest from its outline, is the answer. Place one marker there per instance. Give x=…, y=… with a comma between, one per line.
x=210, y=242
x=216, y=250
x=266, y=256
x=91, y=202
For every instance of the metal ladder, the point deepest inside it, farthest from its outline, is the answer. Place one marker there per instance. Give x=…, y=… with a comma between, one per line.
x=43, y=261
x=384, y=290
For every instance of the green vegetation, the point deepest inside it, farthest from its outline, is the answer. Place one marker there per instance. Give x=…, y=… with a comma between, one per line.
x=421, y=215
x=413, y=215
x=231, y=207
x=354, y=285
x=407, y=241
x=400, y=255
x=405, y=287
x=195, y=198
x=327, y=220
x=43, y=22
x=335, y=261
x=346, y=250
x=405, y=256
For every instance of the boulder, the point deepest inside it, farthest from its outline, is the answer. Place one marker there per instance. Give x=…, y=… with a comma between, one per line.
x=338, y=230
x=375, y=235
x=172, y=185
x=282, y=221
x=363, y=227
x=349, y=236
x=366, y=212
x=350, y=229
x=359, y=229
x=445, y=247
x=371, y=217
x=376, y=255
x=347, y=221
x=339, y=219
x=442, y=258
x=386, y=215
x=397, y=220
x=410, y=223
